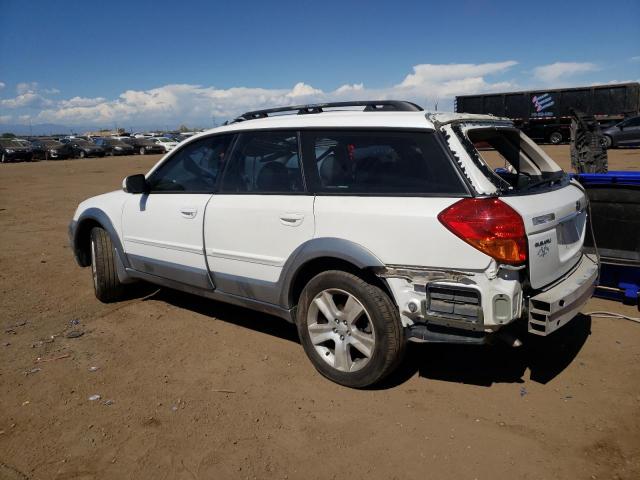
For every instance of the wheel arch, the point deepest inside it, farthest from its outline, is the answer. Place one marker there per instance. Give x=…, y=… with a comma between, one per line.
x=81, y=236
x=322, y=254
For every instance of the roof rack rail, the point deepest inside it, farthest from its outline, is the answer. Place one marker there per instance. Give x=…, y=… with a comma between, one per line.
x=370, y=106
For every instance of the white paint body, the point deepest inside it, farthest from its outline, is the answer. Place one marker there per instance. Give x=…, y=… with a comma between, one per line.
x=253, y=236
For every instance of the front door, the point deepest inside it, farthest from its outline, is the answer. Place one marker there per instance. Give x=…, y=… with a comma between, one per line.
x=162, y=230
x=259, y=216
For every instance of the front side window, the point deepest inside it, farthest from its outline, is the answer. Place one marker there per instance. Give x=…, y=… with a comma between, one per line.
x=634, y=122
x=192, y=169
x=381, y=162
x=264, y=162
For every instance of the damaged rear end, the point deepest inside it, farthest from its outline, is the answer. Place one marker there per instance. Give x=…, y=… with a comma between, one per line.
x=526, y=214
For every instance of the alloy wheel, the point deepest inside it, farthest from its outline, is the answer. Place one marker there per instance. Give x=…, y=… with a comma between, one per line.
x=341, y=330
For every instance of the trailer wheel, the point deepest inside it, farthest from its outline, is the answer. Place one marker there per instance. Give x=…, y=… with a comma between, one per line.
x=555, y=138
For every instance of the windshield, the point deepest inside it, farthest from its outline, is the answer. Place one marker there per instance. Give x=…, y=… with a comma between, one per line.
x=10, y=143
x=516, y=164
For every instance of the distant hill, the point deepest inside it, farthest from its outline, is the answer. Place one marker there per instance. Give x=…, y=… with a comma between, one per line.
x=38, y=129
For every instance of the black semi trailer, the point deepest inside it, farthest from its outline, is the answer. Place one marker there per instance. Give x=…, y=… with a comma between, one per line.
x=544, y=115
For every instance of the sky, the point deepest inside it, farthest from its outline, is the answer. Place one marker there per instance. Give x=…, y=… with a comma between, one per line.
x=159, y=64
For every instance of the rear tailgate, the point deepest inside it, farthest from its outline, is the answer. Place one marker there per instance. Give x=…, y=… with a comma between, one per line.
x=555, y=222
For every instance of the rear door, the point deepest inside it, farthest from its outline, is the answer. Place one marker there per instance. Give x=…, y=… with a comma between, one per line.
x=259, y=216
x=163, y=229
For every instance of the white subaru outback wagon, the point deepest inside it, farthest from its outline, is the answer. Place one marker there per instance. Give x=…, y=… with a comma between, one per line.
x=368, y=224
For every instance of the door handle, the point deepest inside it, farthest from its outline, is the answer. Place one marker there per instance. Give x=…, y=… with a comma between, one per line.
x=291, y=219
x=188, y=212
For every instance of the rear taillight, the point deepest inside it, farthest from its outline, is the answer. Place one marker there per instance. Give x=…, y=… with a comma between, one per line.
x=491, y=226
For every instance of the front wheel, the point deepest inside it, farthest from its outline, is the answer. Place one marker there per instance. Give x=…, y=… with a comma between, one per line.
x=350, y=329
x=555, y=138
x=607, y=141
x=82, y=154
x=142, y=151
x=106, y=284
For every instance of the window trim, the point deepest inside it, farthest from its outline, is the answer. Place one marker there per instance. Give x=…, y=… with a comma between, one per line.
x=305, y=190
x=315, y=187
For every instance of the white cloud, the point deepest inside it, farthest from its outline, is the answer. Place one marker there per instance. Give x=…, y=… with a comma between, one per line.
x=429, y=73
x=5, y=119
x=356, y=87
x=635, y=59
x=81, y=102
x=2, y=85
x=195, y=105
x=26, y=100
x=301, y=89
x=558, y=71
x=26, y=87
x=29, y=95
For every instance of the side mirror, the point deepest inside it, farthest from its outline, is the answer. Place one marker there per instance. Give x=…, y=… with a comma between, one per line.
x=135, y=184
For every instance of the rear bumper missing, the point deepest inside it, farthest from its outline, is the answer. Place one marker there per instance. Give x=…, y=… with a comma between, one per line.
x=551, y=309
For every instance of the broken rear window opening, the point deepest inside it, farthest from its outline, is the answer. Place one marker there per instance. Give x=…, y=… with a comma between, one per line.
x=517, y=165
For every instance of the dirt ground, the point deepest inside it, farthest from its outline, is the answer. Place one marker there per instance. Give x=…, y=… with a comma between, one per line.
x=191, y=388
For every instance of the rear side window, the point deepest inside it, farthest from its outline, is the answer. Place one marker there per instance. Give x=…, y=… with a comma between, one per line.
x=381, y=162
x=264, y=162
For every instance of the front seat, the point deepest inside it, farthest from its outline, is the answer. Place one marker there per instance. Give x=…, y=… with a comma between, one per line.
x=273, y=177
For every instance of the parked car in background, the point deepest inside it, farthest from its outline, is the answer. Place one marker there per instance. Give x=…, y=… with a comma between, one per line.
x=25, y=143
x=11, y=150
x=623, y=134
x=167, y=143
x=144, y=146
x=79, y=148
x=114, y=146
x=48, y=149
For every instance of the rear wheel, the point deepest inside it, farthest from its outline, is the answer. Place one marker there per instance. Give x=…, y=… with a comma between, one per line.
x=81, y=154
x=608, y=141
x=555, y=138
x=142, y=151
x=350, y=329
x=106, y=284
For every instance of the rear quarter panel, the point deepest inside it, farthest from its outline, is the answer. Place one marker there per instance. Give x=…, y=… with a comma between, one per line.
x=397, y=230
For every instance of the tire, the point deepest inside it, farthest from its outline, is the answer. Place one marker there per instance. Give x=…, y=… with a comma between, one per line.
x=608, y=142
x=555, y=138
x=337, y=345
x=81, y=154
x=142, y=151
x=106, y=284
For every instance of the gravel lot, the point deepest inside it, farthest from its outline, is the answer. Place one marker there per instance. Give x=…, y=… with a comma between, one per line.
x=196, y=389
